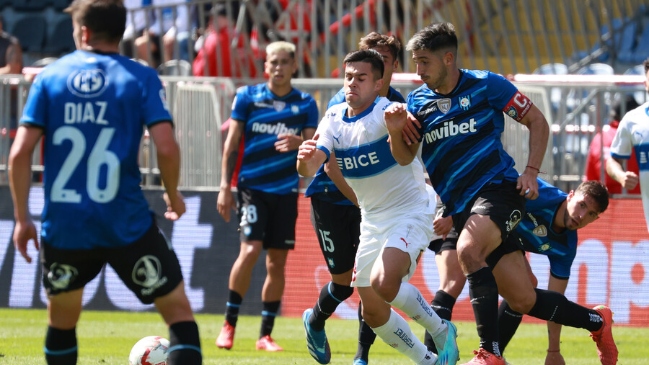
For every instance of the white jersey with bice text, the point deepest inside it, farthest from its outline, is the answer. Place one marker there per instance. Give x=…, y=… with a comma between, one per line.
x=384, y=188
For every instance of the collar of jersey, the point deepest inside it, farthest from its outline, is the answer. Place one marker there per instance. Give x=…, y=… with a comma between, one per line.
x=359, y=116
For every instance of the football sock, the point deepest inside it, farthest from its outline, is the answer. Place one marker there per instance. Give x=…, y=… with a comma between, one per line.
x=366, y=336
x=483, y=292
x=555, y=307
x=331, y=296
x=410, y=300
x=508, y=322
x=184, y=344
x=232, y=308
x=60, y=346
x=442, y=304
x=268, y=314
x=397, y=333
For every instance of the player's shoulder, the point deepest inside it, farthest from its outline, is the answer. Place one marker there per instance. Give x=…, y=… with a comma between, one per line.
x=335, y=110
x=641, y=112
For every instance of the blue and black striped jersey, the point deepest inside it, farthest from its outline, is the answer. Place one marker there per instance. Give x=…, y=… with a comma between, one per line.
x=265, y=116
x=461, y=145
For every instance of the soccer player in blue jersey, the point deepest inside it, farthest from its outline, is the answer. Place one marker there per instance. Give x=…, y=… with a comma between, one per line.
x=396, y=213
x=549, y=228
x=91, y=107
x=457, y=115
x=337, y=219
x=273, y=118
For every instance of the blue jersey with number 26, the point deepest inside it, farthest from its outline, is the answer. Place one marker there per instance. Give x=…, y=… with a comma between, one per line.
x=93, y=108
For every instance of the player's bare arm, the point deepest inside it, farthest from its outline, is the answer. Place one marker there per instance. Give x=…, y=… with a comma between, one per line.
x=225, y=202
x=168, y=154
x=538, y=142
x=628, y=179
x=309, y=157
x=396, y=118
x=20, y=173
x=333, y=171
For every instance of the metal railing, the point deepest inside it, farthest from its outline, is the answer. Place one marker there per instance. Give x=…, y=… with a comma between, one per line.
x=504, y=36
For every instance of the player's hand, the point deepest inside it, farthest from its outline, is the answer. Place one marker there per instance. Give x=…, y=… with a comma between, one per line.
x=23, y=233
x=528, y=185
x=307, y=149
x=554, y=358
x=175, y=206
x=287, y=142
x=225, y=203
x=442, y=226
x=630, y=180
x=395, y=116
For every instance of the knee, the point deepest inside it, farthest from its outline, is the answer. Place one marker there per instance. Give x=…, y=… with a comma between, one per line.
x=386, y=289
x=522, y=304
x=470, y=259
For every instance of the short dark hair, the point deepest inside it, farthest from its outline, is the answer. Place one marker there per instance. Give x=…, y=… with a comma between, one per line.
x=368, y=56
x=433, y=37
x=597, y=191
x=105, y=18
x=374, y=39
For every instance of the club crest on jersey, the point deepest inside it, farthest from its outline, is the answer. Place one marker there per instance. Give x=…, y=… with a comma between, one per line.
x=279, y=105
x=295, y=109
x=544, y=247
x=87, y=83
x=465, y=102
x=514, y=218
x=540, y=231
x=444, y=105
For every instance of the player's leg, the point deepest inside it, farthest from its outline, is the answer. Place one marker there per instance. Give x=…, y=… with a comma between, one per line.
x=392, y=328
x=483, y=225
x=63, y=312
x=252, y=215
x=451, y=283
x=65, y=274
x=337, y=229
x=151, y=270
x=521, y=295
x=509, y=319
x=280, y=217
x=404, y=243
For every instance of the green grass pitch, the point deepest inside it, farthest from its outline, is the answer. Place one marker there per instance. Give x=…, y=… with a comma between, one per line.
x=107, y=337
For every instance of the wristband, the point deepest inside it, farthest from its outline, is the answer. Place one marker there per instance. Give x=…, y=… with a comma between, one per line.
x=538, y=171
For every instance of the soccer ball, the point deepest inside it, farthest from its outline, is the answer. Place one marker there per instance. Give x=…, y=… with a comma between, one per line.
x=151, y=350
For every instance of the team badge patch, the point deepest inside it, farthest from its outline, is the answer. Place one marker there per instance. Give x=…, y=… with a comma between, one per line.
x=512, y=113
x=61, y=275
x=295, y=109
x=87, y=83
x=279, y=105
x=544, y=247
x=514, y=218
x=444, y=105
x=540, y=231
x=465, y=102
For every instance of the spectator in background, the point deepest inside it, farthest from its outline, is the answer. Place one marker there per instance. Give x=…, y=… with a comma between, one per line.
x=135, y=24
x=11, y=54
x=600, y=150
x=170, y=26
x=214, y=55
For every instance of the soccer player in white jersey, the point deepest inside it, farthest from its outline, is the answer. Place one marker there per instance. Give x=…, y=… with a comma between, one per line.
x=396, y=215
x=633, y=134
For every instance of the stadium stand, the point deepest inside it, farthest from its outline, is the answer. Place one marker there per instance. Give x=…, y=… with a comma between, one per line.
x=59, y=39
x=30, y=30
x=175, y=68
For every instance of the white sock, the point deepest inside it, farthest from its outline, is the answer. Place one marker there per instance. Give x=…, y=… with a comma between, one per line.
x=412, y=303
x=397, y=333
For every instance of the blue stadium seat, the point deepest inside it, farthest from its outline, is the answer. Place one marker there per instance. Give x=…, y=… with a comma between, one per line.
x=31, y=5
x=60, y=39
x=30, y=31
x=61, y=4
x=641, y=50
